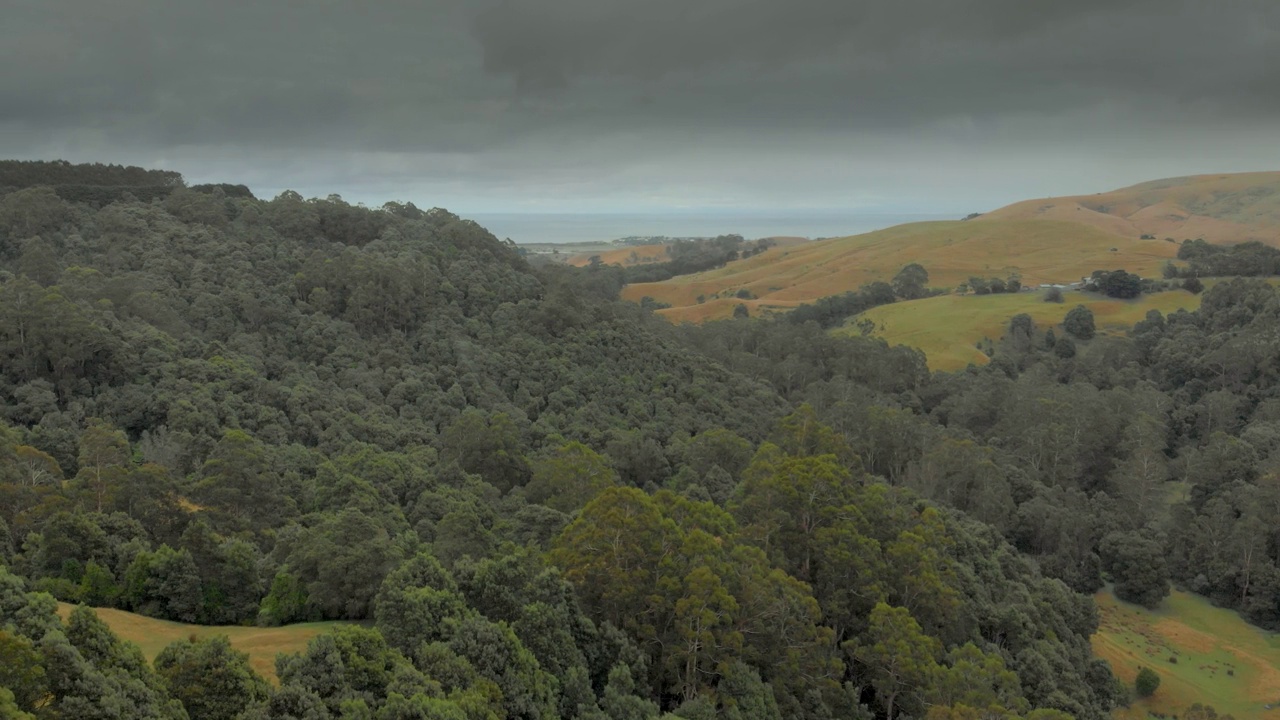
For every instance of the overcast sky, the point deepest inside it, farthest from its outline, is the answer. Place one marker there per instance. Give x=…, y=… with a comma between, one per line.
x=603, y=105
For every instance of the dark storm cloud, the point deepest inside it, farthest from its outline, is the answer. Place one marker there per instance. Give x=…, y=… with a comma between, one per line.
x=567, y=93
x=896, y=61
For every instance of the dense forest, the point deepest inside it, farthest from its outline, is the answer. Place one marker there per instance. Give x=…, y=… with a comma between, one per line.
x=543, y=502
x=1205, y=259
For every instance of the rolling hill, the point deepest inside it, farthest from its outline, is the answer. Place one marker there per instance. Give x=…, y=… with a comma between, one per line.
x=1049, y=240
x=1040, y=251
x=1218, y=208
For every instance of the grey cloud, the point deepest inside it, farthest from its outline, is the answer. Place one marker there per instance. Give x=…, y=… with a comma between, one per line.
x=563, y=95
x=891, y=60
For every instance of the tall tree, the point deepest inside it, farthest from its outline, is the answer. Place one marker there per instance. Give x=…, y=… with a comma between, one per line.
x=911, y=282
x=900, y=659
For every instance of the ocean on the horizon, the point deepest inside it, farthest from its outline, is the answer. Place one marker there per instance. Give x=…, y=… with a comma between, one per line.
x=527, y=228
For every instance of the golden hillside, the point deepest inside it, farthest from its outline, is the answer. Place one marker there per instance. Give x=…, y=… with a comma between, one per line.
x=1040, y=251
x=1048, y=240
x=629, y=255
x=1218, y=208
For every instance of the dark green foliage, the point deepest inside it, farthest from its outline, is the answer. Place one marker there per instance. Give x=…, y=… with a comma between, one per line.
x=569, y=476
x=210, y=678
x=1193, y=285
x=9, y=707
x=227, y=190
x=342, y=562
x=21, y=672
x=988, y=286
x=165, y=584
x=1136, y=562
x=490, y=447
x=649, y=303
x=238, y=484
x=1050, y=339
x=1079, y=323
x=1146, y=683
x=30, y=173
x=416, y=601
x=1245, y=259
x=1203, y=712
x=307, y=409
x=691, y=256
x=286, y=601
x=78, y=670
x=620, y=701
x=349, y=668
x=1116, y=283
x=1064, y=347
x=498, y=656
x=911, y=282
x=832, y=311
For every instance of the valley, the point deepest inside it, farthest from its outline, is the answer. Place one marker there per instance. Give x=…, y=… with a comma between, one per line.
x=626, y=360
x=449, y=480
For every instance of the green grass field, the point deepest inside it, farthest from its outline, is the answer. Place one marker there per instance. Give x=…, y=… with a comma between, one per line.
x=262, y=644
x=948, y=327
x=1221, y=660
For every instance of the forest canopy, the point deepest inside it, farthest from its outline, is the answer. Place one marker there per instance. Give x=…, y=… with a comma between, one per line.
x=544, y=502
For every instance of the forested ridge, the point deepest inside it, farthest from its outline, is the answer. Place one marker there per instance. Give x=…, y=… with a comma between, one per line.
x=545, y=502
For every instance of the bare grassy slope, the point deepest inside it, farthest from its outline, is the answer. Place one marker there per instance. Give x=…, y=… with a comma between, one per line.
x=1218, y=208
x=1048, y=240
x=1038, y=250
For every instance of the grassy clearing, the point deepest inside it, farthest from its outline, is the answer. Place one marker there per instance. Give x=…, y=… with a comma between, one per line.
x=262, y=644
x=625, y=256
x=1221, y=660
x=1038, y=250
x=948, y=327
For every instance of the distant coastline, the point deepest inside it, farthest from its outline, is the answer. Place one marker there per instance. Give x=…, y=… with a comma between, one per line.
x=577, y=228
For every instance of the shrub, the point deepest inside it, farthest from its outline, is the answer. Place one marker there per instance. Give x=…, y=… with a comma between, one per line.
x=1053, y=295
x=1147, y=682
x=1079, y=322
x=1065, y=347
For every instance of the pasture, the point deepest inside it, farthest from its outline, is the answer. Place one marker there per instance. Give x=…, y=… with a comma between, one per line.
x=624, y=256
x=1039, y=251
x=262, y=644
x=1202, y=654
x=949, y=327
